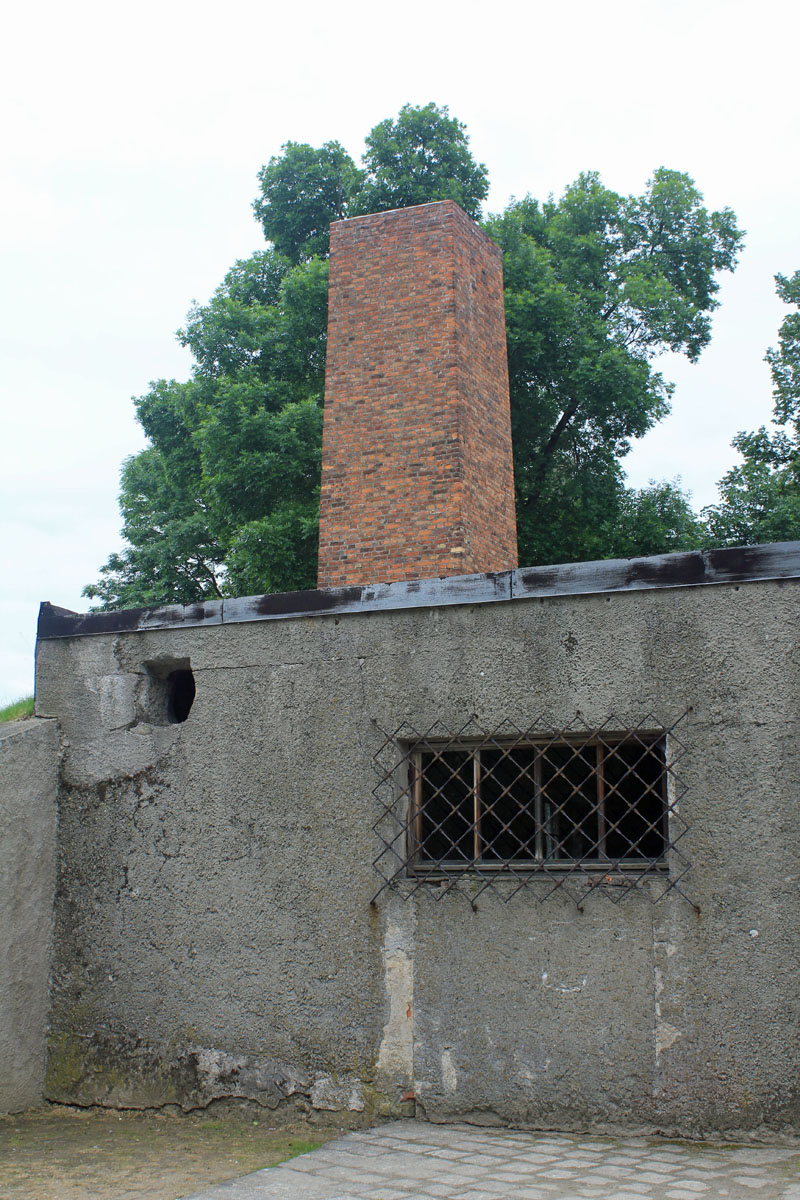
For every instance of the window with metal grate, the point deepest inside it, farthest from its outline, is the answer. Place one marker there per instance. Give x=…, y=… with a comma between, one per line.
x=586, y=806
x=538, y=805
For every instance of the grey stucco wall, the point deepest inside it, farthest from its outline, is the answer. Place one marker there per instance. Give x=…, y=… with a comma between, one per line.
x=28, y=772
x=214, y=929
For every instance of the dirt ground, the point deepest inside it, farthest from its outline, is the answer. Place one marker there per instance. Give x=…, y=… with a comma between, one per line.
x=60, y=1153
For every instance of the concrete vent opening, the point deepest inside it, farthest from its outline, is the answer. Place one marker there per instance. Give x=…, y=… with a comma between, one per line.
x=180, y=685
x=169, y=691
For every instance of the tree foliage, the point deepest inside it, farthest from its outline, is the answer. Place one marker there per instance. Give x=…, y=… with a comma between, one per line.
x=224, y=499
x=657, y=519
x=596, y=285
x=422, y=156
x=760, y=497
x=302, y=191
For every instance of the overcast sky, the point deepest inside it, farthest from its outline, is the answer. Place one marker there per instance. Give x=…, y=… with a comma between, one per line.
x=132, y=136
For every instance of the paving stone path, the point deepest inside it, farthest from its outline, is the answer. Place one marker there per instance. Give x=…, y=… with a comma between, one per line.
x=412, y=1160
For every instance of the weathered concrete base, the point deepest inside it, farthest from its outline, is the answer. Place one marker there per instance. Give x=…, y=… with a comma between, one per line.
x=117, y=1071
x=28, y=773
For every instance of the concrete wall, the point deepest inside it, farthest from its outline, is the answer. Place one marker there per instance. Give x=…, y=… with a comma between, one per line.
x=28, y=772
x=214, y=929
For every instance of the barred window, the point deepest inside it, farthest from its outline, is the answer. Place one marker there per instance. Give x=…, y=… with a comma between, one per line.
x=538, y=805
x=578, y=808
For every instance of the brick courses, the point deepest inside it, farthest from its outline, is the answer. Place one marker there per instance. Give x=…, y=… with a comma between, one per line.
x=417, y=476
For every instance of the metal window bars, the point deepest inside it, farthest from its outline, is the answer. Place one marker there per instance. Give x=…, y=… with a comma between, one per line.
x=577, y=808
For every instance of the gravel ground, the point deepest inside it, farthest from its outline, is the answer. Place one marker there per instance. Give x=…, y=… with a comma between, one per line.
x=60, y=1153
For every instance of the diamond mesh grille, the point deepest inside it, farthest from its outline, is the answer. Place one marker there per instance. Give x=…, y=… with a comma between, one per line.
x=572, y=809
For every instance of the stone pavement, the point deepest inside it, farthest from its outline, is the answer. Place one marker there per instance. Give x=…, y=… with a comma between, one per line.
x=412, y=1160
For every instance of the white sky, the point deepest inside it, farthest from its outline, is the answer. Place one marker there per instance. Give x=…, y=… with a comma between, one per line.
x=132, y=136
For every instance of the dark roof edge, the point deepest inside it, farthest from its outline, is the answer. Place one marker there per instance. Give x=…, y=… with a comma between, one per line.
x=697, y=568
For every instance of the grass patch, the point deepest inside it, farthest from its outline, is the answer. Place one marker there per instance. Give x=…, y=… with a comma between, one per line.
x=295, y=1148
x=20, y=708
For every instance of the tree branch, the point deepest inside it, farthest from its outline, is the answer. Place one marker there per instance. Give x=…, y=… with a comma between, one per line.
x=206, y=570
x=547, y=450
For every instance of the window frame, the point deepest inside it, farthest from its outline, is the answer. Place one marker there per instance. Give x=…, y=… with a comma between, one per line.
x=423, y=868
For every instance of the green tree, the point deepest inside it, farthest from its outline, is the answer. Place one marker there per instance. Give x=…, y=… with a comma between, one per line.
x=596, y=286
x=224, y=500
x=760, y=497
x=422, y=156
x=658, y=519
x=302, y=191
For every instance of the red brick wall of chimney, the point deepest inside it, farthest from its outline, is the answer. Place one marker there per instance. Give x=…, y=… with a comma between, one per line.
x=417, y=477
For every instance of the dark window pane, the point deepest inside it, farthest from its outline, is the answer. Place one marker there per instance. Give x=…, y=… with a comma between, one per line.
x=508, y=803
x=569, y=793
x=635, y=804
x=446, y=823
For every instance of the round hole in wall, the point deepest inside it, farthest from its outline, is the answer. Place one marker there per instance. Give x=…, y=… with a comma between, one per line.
x=181, y=693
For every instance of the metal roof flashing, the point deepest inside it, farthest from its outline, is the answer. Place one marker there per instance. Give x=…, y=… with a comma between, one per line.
x=696, y=568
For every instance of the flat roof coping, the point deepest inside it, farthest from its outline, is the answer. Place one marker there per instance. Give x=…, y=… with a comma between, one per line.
x=697, y=568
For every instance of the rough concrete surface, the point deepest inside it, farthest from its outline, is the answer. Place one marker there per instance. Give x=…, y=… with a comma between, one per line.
x=215, y=935
x=28, y=774
x=410, y=1160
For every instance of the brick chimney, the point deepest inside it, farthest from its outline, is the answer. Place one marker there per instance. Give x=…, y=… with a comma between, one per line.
x=417, y=477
